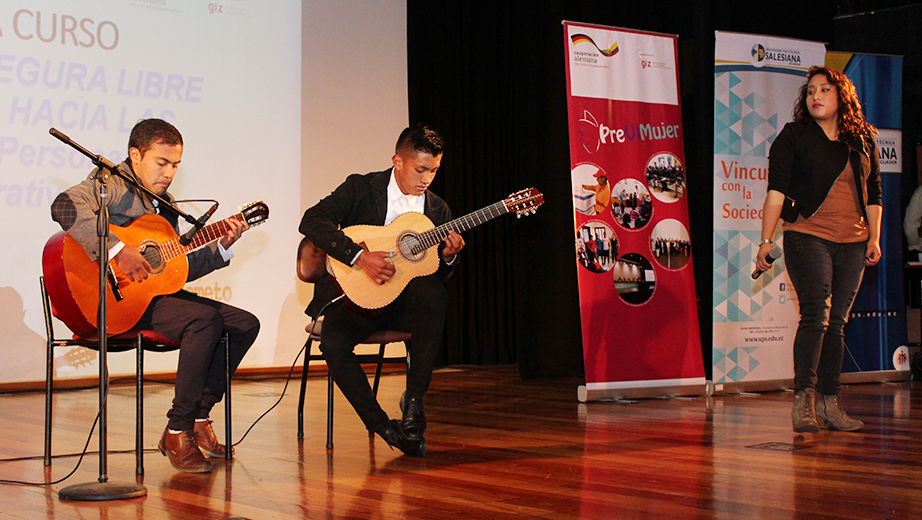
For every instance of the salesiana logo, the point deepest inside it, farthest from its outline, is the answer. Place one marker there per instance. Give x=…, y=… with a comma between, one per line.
x=761, y=55
x=590, y=56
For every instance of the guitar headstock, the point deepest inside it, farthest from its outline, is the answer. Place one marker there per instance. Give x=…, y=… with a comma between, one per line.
x=524, y=202
x=255, y=213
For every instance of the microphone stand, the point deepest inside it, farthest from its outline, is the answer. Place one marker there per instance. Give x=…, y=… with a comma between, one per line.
x=103, y=489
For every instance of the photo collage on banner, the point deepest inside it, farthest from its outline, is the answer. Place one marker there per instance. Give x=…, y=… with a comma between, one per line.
x=756, y=81
x=631, y=239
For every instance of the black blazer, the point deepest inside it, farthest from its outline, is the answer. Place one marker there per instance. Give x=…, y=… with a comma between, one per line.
x=359, y=200
x=804, y=164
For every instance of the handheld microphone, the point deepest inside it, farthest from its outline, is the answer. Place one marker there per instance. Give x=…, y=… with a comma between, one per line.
x=187, y=238
x=773, y=255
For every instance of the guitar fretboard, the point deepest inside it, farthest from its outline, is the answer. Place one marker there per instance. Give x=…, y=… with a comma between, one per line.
x=170, y=249
x=435, y=235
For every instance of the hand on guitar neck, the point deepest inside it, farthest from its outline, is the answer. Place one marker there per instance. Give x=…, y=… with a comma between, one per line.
x=378, y=267
x=235, y=228
x=453, y=245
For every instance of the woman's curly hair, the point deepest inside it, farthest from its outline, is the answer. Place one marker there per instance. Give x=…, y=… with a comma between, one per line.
x=850, y=118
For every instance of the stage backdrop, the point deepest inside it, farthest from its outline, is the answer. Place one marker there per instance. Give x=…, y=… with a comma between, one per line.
x=875, y=335
x=756, y=81
x=229, y=75
x=631, y=241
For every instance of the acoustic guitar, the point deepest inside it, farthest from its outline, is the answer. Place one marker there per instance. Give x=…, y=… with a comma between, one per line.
x=72, y=279
x=410, y=238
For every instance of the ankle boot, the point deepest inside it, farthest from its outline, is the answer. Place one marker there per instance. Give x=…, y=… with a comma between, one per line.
x=829, y=408
x=183, y=452
x=803, y=415
x=207, y=441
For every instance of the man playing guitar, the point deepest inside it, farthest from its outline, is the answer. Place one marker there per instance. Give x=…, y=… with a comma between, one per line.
x=377, y=199
x=154, y=152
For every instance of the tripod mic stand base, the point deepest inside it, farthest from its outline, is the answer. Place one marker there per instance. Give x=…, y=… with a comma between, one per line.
x=99, y=491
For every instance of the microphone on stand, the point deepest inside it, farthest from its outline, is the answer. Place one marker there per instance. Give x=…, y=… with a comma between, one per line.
x=773, y=255
x=99, y=160
x=199, y=224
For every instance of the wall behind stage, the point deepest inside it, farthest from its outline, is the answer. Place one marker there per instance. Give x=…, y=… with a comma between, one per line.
x=275, y=103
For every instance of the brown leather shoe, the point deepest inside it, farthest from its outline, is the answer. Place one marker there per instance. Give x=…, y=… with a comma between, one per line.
x=183, y=452
x=207, y=441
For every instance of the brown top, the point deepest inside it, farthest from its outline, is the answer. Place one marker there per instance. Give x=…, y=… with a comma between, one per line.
x=839, y=217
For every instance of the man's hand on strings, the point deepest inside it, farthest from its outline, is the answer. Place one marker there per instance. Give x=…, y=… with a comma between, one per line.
x=133, y=264
x=376, y=265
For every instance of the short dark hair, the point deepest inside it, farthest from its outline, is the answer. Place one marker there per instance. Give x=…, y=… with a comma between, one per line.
x=148, y=132
x=420, y=138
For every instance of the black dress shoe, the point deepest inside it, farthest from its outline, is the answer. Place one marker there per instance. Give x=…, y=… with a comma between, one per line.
x=414, y=417
x=395, y=438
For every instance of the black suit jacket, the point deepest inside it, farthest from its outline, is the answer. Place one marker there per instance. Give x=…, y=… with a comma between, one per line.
x=359, y=200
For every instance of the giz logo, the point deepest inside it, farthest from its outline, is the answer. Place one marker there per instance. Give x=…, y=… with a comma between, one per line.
x=215, y=8
x=645, y=63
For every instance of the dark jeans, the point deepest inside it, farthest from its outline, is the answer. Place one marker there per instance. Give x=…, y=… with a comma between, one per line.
x=419, y=310
x=198, y=324
x=826, y=276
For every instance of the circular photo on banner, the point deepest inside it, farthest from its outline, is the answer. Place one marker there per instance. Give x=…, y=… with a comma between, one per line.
x=670, y=244
x=596, y=246
x=634, y=278
x=591, y=190
x=666, y=177
x=631, y=203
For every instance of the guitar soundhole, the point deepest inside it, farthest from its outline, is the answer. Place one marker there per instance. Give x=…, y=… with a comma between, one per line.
x=152, y=254
x=410, y=247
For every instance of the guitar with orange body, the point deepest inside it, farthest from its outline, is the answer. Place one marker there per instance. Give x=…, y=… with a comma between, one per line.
x=72, y=279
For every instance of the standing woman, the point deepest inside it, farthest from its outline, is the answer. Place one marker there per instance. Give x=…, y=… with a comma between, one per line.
x=824, y=183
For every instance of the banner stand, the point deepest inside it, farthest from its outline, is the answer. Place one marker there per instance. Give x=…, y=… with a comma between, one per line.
x=584, y=394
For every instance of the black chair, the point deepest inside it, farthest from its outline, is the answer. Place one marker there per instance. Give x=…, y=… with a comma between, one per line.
x=139, y=340
x=308, y=257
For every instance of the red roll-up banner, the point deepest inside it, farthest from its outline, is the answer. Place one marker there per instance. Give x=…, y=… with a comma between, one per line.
x=633, y=253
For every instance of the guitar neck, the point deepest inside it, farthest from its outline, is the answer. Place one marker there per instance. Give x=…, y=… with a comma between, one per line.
x=437, y=234
x=171, y=248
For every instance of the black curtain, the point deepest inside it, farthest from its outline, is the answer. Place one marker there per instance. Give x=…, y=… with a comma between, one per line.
x=490, y=78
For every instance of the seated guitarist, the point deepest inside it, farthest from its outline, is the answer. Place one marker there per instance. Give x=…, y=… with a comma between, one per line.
x=198, y=324
x=377, y=199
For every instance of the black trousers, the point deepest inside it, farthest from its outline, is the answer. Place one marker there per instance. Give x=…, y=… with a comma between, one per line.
x=198, y=324
x=419, y=310
x=826, y=276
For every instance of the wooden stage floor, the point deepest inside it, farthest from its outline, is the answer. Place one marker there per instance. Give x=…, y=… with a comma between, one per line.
x=499, y=448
